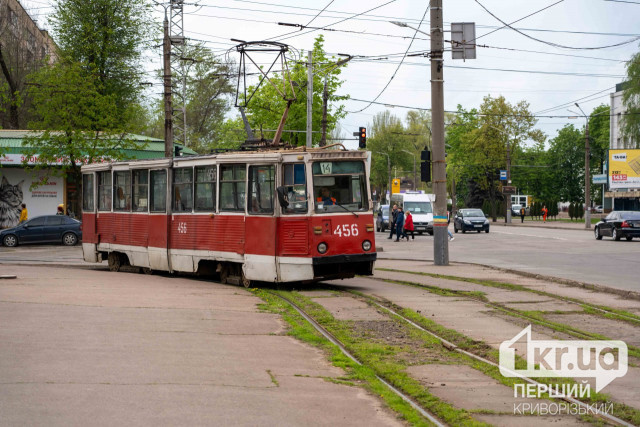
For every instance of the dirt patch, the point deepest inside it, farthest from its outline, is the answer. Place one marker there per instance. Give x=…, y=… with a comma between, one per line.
x=347, y=308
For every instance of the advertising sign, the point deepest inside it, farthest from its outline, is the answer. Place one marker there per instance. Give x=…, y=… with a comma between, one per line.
x=599, y=179
x=624, y=169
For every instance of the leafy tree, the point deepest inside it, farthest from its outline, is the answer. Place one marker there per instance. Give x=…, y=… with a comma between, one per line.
x=387, y=138
x=631, y=99
x=266, y=107
x=107, y=38
x=566, y=158
x=572, y=211
x=599, y=124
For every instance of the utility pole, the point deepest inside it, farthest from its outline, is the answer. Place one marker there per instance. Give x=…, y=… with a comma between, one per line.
x=508, y=213
x=325, y=101
x=309, y=97
x=587, y=177
x=168, y=123
x=440, y=242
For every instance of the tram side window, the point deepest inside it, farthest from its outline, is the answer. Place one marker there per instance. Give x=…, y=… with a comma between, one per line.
x=122, y=193
x=87, y=192
x=183, y=190
x=104, y=191
x=140, y=190
x=205, y=188
x=232, y=187
x=261, y=188
x=295, y=182
x=158, y=191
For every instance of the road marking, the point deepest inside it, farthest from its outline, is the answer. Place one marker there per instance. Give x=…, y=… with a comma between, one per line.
x=529, y=235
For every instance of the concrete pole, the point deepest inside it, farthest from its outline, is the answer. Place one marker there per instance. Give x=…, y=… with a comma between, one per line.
x=587, y=178
x=440, y=237
x=168, y=123
x=309, y=97
x=325, y=101
x=389, y=173
x=508, y=213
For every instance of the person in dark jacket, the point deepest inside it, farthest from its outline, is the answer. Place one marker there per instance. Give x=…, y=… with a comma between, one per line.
x=392, y=221
x=399, y=223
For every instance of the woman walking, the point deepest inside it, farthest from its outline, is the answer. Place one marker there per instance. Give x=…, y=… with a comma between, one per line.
x=408, y=226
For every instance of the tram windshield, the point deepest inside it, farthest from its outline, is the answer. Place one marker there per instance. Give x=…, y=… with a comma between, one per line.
x=340, y=186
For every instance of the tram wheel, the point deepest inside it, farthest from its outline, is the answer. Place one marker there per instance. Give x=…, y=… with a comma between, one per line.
x=114, y=261
x=245, y=282
x=146, y=270
x=224, y=274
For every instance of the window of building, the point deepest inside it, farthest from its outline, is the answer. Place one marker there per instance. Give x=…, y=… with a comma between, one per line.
x=261, y=189
x=205, y=188
x=295, y=182
x=183, y=190
x=104, y=191
x=140, y=190
x=232, y=187
x=122, y=191
x=159, y=191
x=87, y=192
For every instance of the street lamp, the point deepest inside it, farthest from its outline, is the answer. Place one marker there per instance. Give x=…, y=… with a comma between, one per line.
x=415, y=176
x=508, y=215
x=587, y=178
x=388, y=170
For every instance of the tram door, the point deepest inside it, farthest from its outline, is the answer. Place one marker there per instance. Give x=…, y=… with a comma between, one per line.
x=260, y=224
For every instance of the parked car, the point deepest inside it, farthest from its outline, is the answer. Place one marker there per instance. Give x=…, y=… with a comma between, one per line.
x=43, y=229
x=619, y=224
x=515, y=210
x=470, y=220
x=382, y=218
x=597, y=209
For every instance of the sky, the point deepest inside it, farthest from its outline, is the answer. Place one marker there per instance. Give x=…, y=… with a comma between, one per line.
x=549, y=77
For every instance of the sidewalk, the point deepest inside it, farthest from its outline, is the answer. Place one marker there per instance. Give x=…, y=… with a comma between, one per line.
x=561, y=225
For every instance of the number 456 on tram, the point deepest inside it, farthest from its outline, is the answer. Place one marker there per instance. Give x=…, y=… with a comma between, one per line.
x=264, y=216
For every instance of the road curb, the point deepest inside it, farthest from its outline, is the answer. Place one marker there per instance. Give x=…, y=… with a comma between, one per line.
x=542, y=226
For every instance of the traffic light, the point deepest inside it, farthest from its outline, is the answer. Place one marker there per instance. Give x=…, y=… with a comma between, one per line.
x=362, y=137
x=425, y=166
x=176, y=151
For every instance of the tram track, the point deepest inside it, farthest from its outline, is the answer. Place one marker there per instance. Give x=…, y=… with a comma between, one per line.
x=376, y=302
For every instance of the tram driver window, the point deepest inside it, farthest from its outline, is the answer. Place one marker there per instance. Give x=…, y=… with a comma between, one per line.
x=104, y=191
x=140, y=190
x=205, y=188
x=158, y=191
x=87, y=192
x=183, y=190
x=232, y=187
x=295, y=183
x=261, y=188
x=122, y=193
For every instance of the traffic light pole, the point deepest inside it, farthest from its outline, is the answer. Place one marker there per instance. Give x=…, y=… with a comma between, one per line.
x=440, y=236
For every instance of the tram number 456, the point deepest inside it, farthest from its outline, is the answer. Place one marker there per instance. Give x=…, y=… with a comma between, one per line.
x=182, y=227
x=346, y=230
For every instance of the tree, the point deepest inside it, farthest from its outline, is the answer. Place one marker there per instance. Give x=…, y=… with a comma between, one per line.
x=266, y=107
x=599, y=124
x=566, y=158
x=107, y=38
x=481, y=143
x=631, y=99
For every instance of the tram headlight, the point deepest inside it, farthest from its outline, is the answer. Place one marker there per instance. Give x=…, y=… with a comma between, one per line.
x=366, y=245
x=322, y=247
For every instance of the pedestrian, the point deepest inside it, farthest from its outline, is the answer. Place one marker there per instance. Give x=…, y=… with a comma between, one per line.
x=450, y=235
x=522, y=212
x=60, y=209
x=24, y=214
x=399, y=223
x=392, y=221
x=545, y=211
x=408, y=226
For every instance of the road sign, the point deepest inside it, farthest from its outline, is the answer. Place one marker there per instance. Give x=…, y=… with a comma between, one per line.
x=395, y=186
x=463, y=36
x=503, y=175
x=599, y=179
x=508, y=189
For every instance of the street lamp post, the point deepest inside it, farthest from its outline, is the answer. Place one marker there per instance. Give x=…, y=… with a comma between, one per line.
x=388, y=170
x=508, y=213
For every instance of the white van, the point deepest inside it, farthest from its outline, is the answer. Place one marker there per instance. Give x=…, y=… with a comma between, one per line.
x=421, y=207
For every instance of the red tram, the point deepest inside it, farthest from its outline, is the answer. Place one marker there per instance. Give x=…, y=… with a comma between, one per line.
x=270, y=216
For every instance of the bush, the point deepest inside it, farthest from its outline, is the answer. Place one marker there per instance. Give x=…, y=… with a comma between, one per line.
x=486, y=207
x=579, y=210
x=572, y=211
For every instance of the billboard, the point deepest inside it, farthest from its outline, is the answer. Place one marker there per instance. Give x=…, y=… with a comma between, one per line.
x=624, y=169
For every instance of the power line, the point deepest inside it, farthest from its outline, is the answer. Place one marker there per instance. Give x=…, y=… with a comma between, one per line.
x=556, y=44
x=568, y=104
x=399, y=65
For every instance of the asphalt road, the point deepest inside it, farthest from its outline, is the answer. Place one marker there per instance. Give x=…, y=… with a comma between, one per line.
x=569, y=254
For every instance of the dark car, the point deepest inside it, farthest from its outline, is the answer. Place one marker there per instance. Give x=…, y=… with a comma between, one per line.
x=619, y=224
x=382, y=218
x=470, y=220
x=44, y=229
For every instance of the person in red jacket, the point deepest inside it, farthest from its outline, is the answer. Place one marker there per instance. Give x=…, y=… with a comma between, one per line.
x=408, y=226
x=545, y=211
